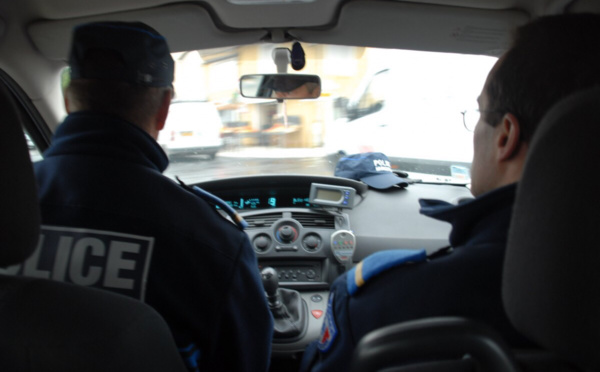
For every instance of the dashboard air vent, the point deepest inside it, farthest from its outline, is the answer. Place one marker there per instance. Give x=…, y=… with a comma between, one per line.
x=262, y=220
x=322, y=221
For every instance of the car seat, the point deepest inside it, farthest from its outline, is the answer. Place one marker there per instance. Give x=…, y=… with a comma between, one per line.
x=551, y=280
x=551, y=283
x=51, y=326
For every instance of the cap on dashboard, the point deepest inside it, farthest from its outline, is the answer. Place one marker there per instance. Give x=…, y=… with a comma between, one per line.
x=373, y=168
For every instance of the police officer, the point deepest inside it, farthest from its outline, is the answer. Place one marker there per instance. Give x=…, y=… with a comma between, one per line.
x=549, y=59
x=113, y=221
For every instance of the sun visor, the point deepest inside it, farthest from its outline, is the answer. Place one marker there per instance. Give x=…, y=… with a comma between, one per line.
x=425, y=27
x=185, y=26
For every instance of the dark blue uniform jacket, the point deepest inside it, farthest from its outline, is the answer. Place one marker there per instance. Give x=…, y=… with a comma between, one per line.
x=126, y=227
x=465, y=282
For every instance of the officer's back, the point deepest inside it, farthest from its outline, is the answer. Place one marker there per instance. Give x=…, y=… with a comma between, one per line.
x=113, y=221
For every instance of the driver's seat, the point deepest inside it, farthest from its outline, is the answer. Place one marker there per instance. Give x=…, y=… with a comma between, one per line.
x=50, y=326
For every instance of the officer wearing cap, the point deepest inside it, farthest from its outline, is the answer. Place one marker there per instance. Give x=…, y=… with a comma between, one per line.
x=465, y=278
x=113, y=221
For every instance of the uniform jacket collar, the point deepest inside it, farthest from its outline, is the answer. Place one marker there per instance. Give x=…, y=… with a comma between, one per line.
x=94, y=134
x=481, y=220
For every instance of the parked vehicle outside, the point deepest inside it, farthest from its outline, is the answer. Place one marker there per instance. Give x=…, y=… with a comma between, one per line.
x=410, y=108
x=192, y=128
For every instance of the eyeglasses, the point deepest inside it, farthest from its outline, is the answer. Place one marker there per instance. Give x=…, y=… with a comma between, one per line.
x=470, y=119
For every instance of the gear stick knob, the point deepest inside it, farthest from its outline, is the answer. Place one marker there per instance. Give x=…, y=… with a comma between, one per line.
x=288, y=308
x=269, y=280
x=271, y=285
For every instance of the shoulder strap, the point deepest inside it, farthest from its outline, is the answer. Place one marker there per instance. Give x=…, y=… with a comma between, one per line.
x=215, y=201
x=379, y=262
x=440, y=252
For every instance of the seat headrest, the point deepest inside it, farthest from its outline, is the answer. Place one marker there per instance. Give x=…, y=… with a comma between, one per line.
x=551, y=283
x=19, y=210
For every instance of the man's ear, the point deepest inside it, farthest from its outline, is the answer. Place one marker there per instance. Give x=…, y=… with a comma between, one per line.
x=508, y=137
x=163, y=111
x=66, y=102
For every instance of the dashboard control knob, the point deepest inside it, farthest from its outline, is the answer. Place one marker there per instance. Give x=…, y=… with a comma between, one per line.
x=311, y=242
x=262, y=243
x=287, y=234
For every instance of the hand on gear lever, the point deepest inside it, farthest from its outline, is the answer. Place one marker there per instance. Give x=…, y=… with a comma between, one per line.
x=288, y=308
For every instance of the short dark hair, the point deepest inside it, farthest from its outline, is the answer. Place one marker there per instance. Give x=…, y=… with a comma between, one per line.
x=134, y=103
x=549, y=59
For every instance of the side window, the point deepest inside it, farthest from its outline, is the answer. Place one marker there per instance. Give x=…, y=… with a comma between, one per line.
x=374, y=96
x=36, y=133
x=34, y=153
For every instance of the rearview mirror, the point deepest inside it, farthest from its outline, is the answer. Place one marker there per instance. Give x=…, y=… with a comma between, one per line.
x=280, y=86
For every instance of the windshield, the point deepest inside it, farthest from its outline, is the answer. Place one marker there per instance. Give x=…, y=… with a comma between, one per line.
x=405, y=104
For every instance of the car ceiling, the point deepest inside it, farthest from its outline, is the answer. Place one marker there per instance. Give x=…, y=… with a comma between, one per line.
x=462, y=26
x=467, y=26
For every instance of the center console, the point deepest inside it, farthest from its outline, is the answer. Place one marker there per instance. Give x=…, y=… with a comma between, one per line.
x=303, y=241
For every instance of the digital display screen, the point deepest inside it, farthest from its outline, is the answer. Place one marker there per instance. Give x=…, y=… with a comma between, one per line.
x=330, y=195
x=266, y=199
x=249, y=203
x=288, y=197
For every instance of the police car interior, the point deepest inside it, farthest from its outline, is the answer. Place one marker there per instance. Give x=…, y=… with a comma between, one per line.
x=390, y=87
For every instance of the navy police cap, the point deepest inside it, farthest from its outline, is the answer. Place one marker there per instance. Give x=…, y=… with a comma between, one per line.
x=373, y=168
x=133, y=52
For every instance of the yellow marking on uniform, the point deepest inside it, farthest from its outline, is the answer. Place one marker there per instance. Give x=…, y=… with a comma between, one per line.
x=358, y=277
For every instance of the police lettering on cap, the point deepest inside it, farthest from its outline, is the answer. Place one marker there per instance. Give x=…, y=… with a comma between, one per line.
x=373, y=168
x=131, y=52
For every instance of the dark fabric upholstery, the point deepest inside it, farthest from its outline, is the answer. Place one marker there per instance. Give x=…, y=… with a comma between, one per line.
x=551, y=285
x=19, y=210
x=50, y=326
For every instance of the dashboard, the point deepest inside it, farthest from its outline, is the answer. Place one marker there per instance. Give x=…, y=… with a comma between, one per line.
x=311, y=229
x=320, y=195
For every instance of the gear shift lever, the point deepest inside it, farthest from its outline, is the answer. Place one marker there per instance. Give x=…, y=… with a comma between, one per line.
x=271, y=285
x=288, y=308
